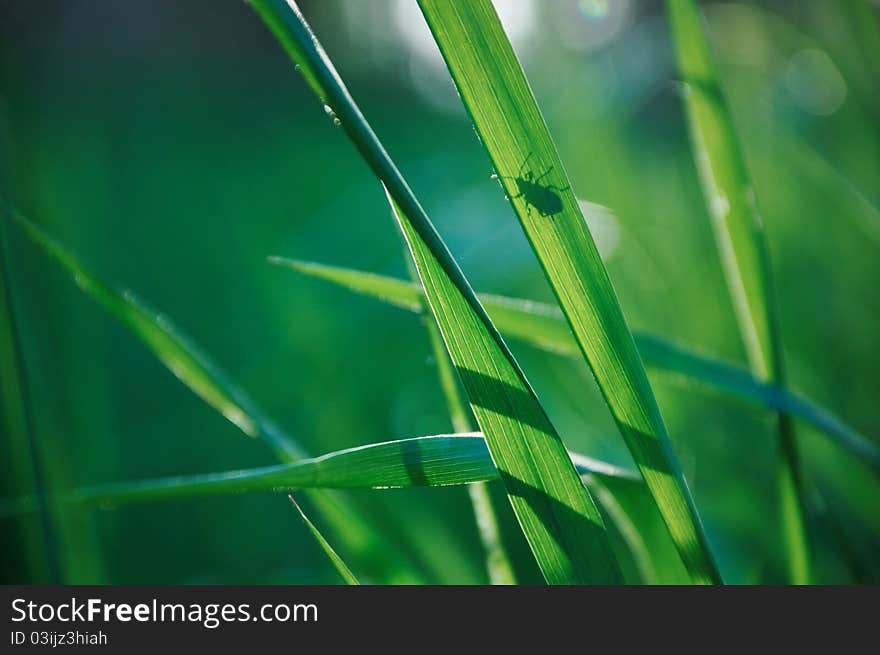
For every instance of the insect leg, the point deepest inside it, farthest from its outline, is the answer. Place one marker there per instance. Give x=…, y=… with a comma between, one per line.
x=523, y=165
x=544, y=174
x=553, y=187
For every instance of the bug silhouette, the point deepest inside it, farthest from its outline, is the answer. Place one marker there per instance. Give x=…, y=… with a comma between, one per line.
x=543, y=198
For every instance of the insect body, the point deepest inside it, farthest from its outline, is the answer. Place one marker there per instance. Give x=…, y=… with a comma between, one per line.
x=544, y=198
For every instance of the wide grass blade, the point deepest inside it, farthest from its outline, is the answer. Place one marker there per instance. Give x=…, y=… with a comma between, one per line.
x=557, y=515
x=198, y=372
x=543, y=326
x=739, y=234
x=495, y=91
x=498, y=564
x=340, y=566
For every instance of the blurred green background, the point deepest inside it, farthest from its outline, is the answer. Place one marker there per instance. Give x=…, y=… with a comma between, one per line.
x=172, y=147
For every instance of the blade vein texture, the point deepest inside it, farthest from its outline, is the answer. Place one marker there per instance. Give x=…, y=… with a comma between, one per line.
x=433, y=461
x=556, y=513
x=512, y=130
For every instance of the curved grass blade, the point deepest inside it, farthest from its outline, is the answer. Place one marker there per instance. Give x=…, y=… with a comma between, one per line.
x=543, y=326
x=340, y=566
x=435, y=461
x=742, y=244
x=198, y=372
x=175, y=350
x=556, y=513
x=512, y=130
x=443, y=460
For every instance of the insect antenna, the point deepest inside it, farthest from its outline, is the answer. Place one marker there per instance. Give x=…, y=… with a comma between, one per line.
x=519, y=173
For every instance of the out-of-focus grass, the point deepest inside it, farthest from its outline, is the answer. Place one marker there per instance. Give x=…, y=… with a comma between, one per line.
x=177, y=169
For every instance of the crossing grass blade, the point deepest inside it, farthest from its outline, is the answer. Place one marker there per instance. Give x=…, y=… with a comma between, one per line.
x=556, y=514
x=433, y=461
x=498, y=564
x=205, y=378
x=740, y=237
x=340, y=566
x=543, y=326
x=512, y=130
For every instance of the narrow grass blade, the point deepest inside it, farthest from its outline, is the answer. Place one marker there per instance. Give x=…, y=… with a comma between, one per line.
x=635, y=544
x=544, y=326
x=73, y=543
x=174, y=349
x=863, y=209
x=340, y=566
x=435, y=461
x=557, y=515
x=495, y=92
x=22, y=462
x=739, y=234
x=850, y=551
x=198, y=372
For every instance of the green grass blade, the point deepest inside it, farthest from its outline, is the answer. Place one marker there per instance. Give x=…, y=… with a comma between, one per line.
x=863, y=210
x=498, y=564
x=435, y=461
x=635, y=543
x=557, y=515
x=495, y=91
x=73, y=543
x=174, y=349
x=198, y=372
x=739, y=234
x=442, y=460
x=23, y=472
x=340, y=566
x=543, y=326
